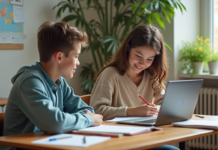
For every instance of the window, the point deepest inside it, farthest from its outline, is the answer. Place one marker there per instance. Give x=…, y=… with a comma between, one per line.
x=215, y=22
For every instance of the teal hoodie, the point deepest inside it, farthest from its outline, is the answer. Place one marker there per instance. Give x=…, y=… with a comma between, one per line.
x=36, y=103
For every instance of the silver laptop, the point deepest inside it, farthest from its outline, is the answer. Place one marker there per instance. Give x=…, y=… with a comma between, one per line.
x=178, y=103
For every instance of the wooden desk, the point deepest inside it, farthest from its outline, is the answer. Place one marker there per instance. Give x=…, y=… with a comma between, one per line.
x=168, y=135
x=3, y=101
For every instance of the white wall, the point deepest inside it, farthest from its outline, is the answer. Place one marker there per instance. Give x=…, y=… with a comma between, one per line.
x=36, y=12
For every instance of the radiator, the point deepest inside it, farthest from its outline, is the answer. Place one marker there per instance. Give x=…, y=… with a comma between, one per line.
x=207, y=105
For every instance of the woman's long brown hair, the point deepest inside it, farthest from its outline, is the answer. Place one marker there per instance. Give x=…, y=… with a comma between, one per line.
x=143, y=35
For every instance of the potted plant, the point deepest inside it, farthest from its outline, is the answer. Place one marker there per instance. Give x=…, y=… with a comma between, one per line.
x=194, y=54
x=115, y=19
x=213, y=62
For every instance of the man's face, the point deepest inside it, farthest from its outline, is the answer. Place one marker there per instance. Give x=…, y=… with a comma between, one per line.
x=69, y=64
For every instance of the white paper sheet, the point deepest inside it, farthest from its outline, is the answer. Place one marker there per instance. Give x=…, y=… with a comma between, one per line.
x=127, y=118
x=75, y=140
x=117, y=129
x=19, y=39
x=5, y=38
x=18, y=14
x=17, y=2
x=198, y=124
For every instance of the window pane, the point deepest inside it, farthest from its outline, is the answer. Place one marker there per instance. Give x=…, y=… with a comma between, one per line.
x=216, y=24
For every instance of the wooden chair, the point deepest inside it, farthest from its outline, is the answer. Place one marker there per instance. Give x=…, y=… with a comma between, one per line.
x=2, y=116
x=86, y=98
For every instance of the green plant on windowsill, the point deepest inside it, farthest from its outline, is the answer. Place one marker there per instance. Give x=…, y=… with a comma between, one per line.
x=192, y=52
x=213, y=62
x=114, y=20
x=213, y=56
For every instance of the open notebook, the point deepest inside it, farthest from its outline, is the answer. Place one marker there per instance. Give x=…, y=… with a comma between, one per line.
x=126, y=130
x=207, y=124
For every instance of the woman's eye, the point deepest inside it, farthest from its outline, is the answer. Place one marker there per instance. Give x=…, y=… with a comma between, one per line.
x=150, y=59
x=138, y=56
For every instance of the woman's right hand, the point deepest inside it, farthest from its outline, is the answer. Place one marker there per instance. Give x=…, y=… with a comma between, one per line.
x=142, y=111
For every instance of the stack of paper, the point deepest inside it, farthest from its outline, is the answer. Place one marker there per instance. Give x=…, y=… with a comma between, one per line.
x=74, y=140
x=128, y=118
x=198, y=124
x=126, y=130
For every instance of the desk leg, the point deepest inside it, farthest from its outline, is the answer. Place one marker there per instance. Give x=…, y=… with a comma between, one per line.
x=182, y=145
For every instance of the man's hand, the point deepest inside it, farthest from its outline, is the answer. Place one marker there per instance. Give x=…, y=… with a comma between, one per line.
x=96, y=117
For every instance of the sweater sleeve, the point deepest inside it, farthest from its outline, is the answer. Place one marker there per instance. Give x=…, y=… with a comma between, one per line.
x=39, y=108
x=102, y=96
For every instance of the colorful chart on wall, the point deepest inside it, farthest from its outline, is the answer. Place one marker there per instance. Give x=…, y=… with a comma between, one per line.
x=6, y=19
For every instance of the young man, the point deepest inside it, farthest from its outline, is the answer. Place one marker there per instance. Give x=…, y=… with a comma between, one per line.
x=40, y=98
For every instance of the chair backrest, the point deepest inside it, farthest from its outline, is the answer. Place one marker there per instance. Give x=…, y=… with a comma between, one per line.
x=2, y=116
x=86, y=98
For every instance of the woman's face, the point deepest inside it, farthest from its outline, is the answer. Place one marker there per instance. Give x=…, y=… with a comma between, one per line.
x=140, y=58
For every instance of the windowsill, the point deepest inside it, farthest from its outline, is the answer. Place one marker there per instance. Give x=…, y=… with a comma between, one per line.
x=201, y=76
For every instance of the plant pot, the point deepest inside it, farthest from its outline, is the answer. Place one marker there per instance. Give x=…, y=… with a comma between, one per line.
x=213, y=67
x=198, y=67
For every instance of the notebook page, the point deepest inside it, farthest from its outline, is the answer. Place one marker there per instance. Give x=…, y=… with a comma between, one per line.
x=127, y=118
x=75, y=140
x=117, y=129
x=198, y=124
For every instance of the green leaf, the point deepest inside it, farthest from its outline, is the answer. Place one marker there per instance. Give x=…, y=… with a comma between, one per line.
x=77, y=22
x=146, y=11
x=159, y=20
x=157, y=6
x=110, y=47
x=183, y=6
x=88, y=3
x=168, y=46
x=69, y=18
x=105, y=41
x=134, y=7
x=166, y=15
x=180, y=8
x=170, y=2
x=150, y=20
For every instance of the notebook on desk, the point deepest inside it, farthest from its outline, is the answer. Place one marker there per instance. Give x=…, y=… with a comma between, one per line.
x=117, y=129
x=178, y=103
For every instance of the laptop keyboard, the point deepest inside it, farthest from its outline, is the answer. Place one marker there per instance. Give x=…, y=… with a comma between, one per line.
x=146, y=121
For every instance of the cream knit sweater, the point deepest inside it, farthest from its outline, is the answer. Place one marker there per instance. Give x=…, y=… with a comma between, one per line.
x=113, y=93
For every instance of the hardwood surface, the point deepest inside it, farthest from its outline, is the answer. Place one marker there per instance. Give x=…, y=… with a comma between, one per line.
x=168, y=135
x=3, y=101
x=11, y=46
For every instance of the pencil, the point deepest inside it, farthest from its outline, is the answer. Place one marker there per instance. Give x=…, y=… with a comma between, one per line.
x=98, y=134
x=200, y=116
x=145, y=101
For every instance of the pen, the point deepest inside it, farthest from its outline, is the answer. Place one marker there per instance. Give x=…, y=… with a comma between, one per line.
x=145, y=101
x=99, y=134
x=200, y=116
x=84, y=140
x=58, y=138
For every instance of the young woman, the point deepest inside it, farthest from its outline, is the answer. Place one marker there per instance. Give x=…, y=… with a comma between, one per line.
x=139, y=67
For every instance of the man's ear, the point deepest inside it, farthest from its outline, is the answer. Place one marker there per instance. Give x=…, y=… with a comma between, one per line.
x=58, y=56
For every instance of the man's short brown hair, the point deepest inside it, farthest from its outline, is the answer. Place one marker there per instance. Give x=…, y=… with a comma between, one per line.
x=60, y=36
